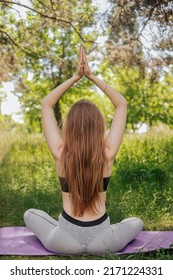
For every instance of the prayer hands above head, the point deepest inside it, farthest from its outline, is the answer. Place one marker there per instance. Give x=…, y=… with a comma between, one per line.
x=87, y=71
x=82, y=66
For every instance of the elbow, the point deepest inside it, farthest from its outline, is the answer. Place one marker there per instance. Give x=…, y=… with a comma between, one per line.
x=48, y=101
x=125, y=102
x=44, y=101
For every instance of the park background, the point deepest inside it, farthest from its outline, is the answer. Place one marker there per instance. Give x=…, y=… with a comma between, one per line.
x=129, y=44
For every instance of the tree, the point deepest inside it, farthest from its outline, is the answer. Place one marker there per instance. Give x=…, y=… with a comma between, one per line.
x=129, y=44
x=149, y=101
x=44, y=47
x=139, y=70
x=15, y=34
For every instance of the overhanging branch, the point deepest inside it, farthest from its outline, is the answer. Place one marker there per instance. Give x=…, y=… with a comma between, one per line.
x=29, y=52
x=47, y=16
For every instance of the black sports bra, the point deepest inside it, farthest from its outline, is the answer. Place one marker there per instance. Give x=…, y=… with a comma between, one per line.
x=65, y=187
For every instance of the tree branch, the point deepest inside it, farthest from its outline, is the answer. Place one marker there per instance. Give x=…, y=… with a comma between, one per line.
x=13, y=9
x=30, y=53
x=47, y=16
x=149, y=16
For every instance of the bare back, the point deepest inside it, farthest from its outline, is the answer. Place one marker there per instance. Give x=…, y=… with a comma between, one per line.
x=67, y=204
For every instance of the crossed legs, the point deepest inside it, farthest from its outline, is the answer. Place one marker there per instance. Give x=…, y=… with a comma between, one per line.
x=126, y=231
x=55, y=239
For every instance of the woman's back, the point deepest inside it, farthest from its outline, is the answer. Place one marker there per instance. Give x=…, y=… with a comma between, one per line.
x=83, y=161
x=67, y=203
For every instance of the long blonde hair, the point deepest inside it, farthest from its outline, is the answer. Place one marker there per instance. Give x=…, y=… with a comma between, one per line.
x=84, y=155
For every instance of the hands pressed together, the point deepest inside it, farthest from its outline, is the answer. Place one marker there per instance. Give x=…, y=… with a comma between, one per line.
x=82, y=67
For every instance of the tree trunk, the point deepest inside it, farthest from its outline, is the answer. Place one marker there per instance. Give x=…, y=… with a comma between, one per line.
x=58, y=115
x=132, y=126
x=150, y=123
x=40, y=124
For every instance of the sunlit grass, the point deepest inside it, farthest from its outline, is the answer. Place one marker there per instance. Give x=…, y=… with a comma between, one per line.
x=142, y=180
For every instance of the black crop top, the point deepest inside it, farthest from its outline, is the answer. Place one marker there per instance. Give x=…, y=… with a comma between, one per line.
x=65, y=188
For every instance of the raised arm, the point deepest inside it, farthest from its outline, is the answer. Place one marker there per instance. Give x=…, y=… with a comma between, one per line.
x=51, y=131
x=114, y=138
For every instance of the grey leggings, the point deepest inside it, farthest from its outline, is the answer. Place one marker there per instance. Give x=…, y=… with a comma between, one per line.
x=64, y=237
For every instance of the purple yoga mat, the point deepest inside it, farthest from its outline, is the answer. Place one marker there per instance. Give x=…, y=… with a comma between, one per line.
x=21, y=241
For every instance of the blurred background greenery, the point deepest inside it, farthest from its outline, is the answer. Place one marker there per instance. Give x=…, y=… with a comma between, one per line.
x=128, y=44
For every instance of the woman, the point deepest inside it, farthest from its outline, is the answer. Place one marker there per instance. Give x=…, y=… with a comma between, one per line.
x=84, y=160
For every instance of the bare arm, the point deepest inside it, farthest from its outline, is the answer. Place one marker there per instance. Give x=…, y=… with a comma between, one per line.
x=114, y=138
x=52, y=98
x=51, y=131
x=116, y=98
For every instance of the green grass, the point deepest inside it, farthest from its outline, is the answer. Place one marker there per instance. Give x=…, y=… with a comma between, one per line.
x=141, y=184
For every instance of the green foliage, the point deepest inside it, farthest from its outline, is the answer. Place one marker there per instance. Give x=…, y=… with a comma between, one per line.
x=7, y=123
x=39, y=52
x=149, y=101
x=45, y=46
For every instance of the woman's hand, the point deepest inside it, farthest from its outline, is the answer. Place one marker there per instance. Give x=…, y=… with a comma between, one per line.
x=80, y=65
x=87, y=71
